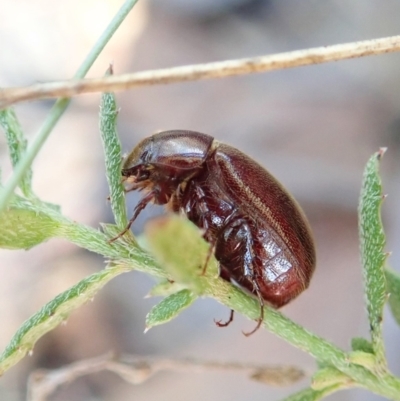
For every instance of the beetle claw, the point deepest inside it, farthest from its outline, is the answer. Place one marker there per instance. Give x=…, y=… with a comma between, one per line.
x=247, y=334
x=220, y=323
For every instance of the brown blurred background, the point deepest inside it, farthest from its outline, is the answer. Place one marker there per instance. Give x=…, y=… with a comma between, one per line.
x=312, y=127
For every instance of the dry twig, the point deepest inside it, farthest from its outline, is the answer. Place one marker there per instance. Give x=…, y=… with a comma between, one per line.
x=201, y=71
x=136, y=370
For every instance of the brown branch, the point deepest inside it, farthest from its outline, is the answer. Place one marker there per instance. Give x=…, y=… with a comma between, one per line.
x=136, y=370
x=221, y=69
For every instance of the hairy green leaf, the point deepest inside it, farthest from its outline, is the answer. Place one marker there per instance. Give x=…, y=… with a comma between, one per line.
x=52, y=314
x=179, y=247
x=365, y=359
x=112, y=153
x=372, y=243
x=24, y=228
x=169, y=308
x=29, y=222
x=361, y=344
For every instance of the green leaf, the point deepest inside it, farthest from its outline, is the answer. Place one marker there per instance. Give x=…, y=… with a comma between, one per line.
x=178, y=246
x=363, y=353
x=365, y=359
x=169, y=308
x=52, y=314
x=112, y=153
x=372, y=243
x=33, y=229
x=25, y=224
x=393, y=288
x=17, y=145
x=361, y=344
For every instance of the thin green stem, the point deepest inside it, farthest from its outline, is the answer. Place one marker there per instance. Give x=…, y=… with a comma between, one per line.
x=60, y=106
x=105, y=37
x=322, y=350
x=23, y=165
x=309, y=394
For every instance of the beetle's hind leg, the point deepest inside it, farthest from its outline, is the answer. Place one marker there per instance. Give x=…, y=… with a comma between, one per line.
x=249, y=273
x=261, y=317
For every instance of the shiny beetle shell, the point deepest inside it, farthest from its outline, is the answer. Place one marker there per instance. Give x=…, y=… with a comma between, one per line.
x=259, y=234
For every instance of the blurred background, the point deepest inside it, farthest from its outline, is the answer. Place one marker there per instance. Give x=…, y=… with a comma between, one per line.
x=313, y=127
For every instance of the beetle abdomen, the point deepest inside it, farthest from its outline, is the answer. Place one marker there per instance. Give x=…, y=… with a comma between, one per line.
x=280, y=232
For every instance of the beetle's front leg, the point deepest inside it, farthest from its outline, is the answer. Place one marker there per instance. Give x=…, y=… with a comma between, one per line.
x=138, y=208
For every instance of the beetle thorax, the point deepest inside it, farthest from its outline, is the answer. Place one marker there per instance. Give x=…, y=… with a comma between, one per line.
x=165, y=181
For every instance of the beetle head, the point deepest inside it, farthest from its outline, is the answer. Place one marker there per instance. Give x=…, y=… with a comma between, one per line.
x=167, y=156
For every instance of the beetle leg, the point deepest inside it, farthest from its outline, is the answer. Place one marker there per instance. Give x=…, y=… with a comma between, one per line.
x=261, y=317
x=209, y=254
x=198, y=206
x=249, y=272
x=138, y=208
x=219, y=323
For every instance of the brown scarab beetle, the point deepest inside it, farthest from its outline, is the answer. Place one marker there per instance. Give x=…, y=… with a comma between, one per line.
x=258, y=232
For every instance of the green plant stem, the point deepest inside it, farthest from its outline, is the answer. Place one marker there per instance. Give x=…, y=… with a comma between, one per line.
x=309, y=394
x=93, y=240
x=324, y=352
x=23, y=165
x=60, y=106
